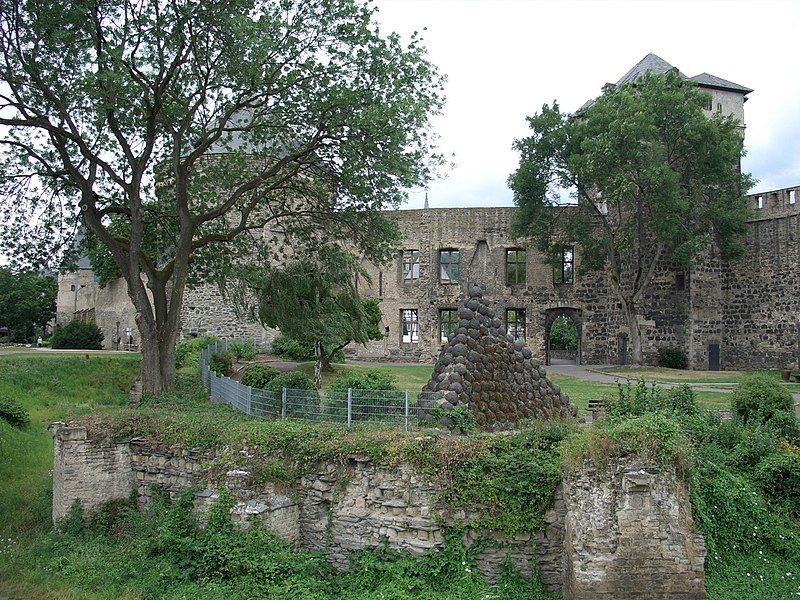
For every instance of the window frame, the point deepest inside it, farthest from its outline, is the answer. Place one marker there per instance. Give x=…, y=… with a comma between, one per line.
x=451, y=321
x=519, y=316
x=559, y=274
x=517, y=264
x=450, y=280
x=411, y=253
x=413, y=330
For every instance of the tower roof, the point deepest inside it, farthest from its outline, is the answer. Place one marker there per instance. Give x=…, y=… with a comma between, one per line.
x=650, y=62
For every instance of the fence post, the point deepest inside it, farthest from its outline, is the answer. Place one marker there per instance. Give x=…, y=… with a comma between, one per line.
x=249, y=400
x=349, y=406
x=283, y=404
x=406, y=405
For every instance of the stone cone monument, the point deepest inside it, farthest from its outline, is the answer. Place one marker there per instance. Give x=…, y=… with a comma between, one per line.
x=485, y=371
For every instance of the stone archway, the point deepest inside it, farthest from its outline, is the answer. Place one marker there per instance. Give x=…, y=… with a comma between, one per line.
x=551, y=315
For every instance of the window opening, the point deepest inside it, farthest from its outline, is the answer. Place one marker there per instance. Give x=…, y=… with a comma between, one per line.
x=410, y=265
x=410, y=325
x=448, y=323
x=564, y=272
x=448, y=265
x=515, y=266
x=515, y=323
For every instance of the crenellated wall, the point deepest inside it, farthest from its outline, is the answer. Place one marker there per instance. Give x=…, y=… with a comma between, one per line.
x=620, y=533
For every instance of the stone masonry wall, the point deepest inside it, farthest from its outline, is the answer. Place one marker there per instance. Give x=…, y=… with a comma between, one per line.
x=605, y=530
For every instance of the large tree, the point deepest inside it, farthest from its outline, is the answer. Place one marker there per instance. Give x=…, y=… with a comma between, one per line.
x=181, y=131
x=653, y=177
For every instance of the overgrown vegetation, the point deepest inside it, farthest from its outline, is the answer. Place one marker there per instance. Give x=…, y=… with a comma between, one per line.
x=258, y=375
x=189, y=351
x=290, y=349
x=221, y=362
x=76, y=335
x=13, y=412
x=744, y=478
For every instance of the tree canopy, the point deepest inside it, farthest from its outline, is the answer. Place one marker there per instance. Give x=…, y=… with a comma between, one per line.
x=177, y=133
x=652, y=177
x=27, y=301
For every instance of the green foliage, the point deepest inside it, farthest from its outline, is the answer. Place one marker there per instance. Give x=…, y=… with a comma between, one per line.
x=754, y=444
x=563, y=334
x=291, y=349
x=27, y=301
x=369, y=379
x=642, y=399
x=258, y=375
x=786, y=425
x=291, y=380
x=78, y=336
x=668, y=190
x=13, y=412
x=778, y=476
x=189, y=350
x=672, y=358
x=458, y=418
x=221, y=363
x=758, y=398
x=242, y=350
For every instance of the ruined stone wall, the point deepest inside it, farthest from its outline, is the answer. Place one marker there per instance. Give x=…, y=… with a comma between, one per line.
x=761, y=309
x=622, y=533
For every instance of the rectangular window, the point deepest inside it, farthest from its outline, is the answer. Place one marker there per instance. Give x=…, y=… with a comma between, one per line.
x=409, y=321
x=515, y=323
x=563, y=272
x=448, y=266
x=448, y=323
x=707, y=104
x=719, y=108
x=760, y=202
x=680, y=281
x=792, y=196
x=410, y=265
x=515, y=266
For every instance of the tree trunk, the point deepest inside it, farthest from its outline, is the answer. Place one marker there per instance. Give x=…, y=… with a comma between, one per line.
x=157, y=370
x=637, y=357
x=318, y=352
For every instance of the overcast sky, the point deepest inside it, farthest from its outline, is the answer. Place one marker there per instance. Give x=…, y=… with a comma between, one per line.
x=504, y=59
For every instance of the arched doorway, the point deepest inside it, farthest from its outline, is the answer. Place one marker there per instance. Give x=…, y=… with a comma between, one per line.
x=562, y=336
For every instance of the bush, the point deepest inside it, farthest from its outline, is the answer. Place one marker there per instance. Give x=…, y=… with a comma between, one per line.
x=755, y=445
x=293, y=380
x=779, y=477
x=221, y=363
x=680, y=401
x=242, y=350
x=291, y=349
x=13, y=412
x=369, y=379
x=672, y=358
x=787, y=426
x=78, y=336
x=258, y=375
x=186, y=349
x=757, y=399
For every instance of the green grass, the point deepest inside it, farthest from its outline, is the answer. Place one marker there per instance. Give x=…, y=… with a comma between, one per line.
x=664, y=375
x=52, y=387
x=407, y=377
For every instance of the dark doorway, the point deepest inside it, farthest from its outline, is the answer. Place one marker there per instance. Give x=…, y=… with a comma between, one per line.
x=713, y=357
x=622, y=349
x=563, y=336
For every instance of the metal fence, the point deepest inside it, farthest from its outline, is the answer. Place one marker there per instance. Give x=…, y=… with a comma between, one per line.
x=353, y=407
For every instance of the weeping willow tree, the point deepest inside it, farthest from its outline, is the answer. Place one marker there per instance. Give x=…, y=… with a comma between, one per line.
x=313, y=299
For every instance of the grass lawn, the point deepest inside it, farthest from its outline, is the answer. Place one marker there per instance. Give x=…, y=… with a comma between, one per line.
x=664, y=375
x=407, y=377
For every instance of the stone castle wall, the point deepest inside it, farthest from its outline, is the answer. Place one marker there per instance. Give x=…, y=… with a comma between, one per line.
x=748, y=307
x=622, y=533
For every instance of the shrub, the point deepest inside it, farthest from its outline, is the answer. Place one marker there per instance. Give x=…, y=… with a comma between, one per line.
x=756, y=444
x=291, y=349
x=680, y=400
x=258, y=375
x=13, y=412
x=758, y=398
x=293, y=380
x=221, y=363
x=185, y=350
x=242, y=350
x=672, y=358
x=787, y=426
x=368, y=379
x=779, y=477
x=78, y=336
